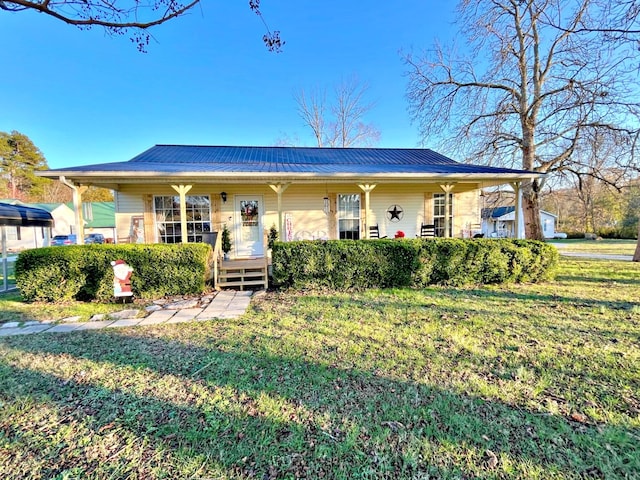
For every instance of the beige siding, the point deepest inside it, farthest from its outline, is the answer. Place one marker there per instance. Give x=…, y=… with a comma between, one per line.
x=304, y=203
x=408, y=198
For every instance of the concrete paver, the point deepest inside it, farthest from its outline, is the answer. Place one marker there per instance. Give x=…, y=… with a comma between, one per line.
x=6, y=332
x=94, y=325
x=210, y=314
x=64, y=328
x=186, y=315
x=152, y=321
x=125, y=322
x=159, y=316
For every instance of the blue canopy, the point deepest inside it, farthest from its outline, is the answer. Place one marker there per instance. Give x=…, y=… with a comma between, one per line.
x=21, y=216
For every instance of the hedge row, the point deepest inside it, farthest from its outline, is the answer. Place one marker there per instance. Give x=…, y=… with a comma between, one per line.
x=84, y=272
x=630, y=233
x=344, y=264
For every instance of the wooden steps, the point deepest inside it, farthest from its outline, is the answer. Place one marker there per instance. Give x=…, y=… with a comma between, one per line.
x=244, y=274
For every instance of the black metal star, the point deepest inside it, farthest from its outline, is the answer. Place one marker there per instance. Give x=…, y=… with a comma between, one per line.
x=395, y=213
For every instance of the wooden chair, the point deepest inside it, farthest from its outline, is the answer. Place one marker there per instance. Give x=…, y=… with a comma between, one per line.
x=427, y=231
x=374, y=232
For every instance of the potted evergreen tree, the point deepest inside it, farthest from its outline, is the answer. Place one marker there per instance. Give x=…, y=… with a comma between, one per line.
x=272, y=236
x=226, y=241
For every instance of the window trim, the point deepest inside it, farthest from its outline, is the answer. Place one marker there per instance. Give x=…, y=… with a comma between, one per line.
x=192, y=233
x=440, y=230
x=339, y=218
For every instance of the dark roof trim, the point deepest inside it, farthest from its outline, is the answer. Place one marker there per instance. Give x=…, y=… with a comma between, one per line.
x=21, y=216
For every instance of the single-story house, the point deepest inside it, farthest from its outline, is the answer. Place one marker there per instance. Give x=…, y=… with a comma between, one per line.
x=177, y=193
x=500, y=222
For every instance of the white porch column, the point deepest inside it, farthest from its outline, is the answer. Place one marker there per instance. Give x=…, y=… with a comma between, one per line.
x=518, y=210
x=77, y=190
x=447, y=189
x=182, y=190
x=279, y=190
x=367, y=191
x=4, y=257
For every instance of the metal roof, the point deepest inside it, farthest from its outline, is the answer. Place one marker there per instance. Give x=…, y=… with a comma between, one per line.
x=194, y=159
x=497, y=212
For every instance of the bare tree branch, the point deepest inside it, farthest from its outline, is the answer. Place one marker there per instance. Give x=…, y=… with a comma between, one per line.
x=541, y=89
x=119, y=16
x=342, y=124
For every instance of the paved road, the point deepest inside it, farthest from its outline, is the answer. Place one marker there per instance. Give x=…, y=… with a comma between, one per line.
x=598, y=256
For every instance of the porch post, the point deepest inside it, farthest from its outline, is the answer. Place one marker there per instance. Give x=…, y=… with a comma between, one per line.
x=516, y=189
x=279, y=190
x=182, y=190
x=77, y=190
x=4, y=257
x=448, y=188
x=367, y=190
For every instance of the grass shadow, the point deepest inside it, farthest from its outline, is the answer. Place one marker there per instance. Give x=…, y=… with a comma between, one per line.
x=186, y=399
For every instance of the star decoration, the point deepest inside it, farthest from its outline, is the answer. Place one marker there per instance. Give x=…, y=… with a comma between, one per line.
x=395, y=213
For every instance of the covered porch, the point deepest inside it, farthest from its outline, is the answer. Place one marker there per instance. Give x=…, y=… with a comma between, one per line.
x=174, y=194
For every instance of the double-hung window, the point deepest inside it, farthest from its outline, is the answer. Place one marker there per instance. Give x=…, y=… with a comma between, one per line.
x=169, y=222
x=349, y=217
x=439, y=213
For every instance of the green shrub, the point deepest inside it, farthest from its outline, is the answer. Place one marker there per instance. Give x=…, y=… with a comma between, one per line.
x=84, y=272
x=629, y=232
x=345, y=264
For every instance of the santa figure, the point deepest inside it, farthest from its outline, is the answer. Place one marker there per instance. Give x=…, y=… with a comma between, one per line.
x=121, y=279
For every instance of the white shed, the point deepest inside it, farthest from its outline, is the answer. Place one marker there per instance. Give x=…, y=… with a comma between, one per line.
x=499, y=222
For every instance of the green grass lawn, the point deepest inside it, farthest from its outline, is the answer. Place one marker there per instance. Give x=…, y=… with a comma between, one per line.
x=605, y=246
x=521, y=381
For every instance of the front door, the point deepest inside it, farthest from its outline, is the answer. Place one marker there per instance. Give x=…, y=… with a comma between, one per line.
x=249, y=238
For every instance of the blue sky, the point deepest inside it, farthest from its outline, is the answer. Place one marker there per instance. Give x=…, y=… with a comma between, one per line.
x=84, y=97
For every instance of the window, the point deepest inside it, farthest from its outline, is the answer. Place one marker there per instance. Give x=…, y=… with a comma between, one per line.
x=439, y=213
x=13, y=233
x=349, y=217
x=168, y=221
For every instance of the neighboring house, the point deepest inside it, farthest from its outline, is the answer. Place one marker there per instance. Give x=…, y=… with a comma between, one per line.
x=100, y=219
x=19, y=238
x=12, y=215
x=499, y=222
x=173, y=193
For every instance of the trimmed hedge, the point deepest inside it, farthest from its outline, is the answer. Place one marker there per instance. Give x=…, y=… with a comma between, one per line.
x=84, y=272
x=348, y=264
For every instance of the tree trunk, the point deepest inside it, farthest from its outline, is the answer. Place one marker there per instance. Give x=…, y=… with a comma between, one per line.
x=531, y=210
x=636, y=255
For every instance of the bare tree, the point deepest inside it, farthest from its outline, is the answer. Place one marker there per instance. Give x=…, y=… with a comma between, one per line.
x=120, y=16
x=544, y=85
x=340, y=124
x=312, y=109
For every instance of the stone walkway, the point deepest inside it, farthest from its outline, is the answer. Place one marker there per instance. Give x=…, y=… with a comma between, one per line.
x=224, y=305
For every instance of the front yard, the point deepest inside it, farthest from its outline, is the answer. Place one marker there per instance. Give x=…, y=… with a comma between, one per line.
x=520, y=381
